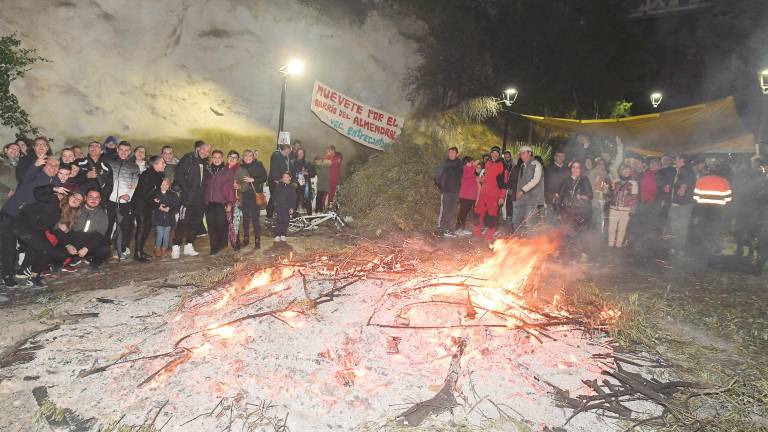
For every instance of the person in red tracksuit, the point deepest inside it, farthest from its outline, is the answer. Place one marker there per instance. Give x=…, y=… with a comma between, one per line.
x=491, y=195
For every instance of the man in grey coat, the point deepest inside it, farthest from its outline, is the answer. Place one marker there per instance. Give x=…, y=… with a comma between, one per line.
x=530, y=189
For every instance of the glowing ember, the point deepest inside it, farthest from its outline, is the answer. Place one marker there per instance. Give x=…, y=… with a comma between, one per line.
x=223, y=332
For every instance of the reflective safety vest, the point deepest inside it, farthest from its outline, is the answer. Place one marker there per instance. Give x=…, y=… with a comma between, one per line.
x=712, y=190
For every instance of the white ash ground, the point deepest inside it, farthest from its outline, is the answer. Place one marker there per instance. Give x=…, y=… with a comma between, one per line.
x=326, y=370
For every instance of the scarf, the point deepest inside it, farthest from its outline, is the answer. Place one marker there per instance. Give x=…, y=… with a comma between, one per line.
x=215, y=169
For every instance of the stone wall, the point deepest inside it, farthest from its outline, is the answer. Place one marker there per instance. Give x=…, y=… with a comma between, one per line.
x=170, y=71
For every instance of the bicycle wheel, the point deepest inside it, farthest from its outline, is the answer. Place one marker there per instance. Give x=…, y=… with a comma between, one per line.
x=296, y=225
x=338, y=223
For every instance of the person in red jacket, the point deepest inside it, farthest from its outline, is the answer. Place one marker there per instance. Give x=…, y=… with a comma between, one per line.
x=491, y=195
x=335, y=159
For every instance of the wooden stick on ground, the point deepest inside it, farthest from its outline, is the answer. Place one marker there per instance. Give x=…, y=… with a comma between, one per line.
x=443, y=400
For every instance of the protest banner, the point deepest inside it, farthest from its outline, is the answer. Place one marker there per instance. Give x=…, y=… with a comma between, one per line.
x=362, y=123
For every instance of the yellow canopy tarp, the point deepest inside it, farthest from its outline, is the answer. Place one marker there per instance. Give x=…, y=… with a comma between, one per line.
x=712, y=127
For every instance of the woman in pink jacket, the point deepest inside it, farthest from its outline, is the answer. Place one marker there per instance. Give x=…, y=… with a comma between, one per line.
x=467, y=192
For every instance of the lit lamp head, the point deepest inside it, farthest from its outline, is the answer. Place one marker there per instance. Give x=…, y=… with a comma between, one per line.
x=764, y=81
x=294, y=67
x=656, y=99
x=510, y=96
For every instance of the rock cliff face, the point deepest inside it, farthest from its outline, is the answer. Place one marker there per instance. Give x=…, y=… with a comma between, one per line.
x=157, y=71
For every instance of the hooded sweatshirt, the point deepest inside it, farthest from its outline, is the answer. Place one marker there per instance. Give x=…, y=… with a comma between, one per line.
x=468, y=183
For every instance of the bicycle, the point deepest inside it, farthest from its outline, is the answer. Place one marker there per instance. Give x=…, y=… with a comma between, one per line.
x=314, y=221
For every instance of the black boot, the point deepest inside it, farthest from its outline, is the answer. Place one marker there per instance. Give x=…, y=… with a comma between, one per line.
x=140, y=257
x=245, y=242
x=257, y=243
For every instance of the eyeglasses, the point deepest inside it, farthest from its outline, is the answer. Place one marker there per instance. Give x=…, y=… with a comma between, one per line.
x=233, y=157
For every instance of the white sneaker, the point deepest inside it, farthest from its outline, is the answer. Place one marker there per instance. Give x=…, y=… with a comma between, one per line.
x=283, y=238
x=277, y=238
x=175, y=252
x=189, y=250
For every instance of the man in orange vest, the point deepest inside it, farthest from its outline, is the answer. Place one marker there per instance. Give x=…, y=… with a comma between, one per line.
x=712, y=189
x=712, y=194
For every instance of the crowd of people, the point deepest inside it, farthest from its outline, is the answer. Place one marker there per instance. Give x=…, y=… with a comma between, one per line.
x=607, y=200
x=96, y=204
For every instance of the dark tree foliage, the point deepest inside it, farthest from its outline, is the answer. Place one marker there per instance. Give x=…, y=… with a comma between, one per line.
x=577, y=58
x=15, y=61
x=566, y=57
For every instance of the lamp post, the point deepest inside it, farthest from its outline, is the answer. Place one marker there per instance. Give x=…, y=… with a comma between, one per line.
x=508, y=98
x=294, y=67
x=763, y=76
x=656, y=99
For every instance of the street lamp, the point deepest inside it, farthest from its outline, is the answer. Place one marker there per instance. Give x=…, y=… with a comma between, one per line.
x=294, y=67
x=656, y=99
x=509, y=96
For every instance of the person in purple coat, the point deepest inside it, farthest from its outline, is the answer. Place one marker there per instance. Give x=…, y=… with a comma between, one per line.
x=219, y=198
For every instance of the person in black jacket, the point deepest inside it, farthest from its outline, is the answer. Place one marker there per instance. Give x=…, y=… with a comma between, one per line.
x=190, y=179
x=24, y=195
x=574, y=203
x=35, y=218
x=251, y=176
x=554, y=174
x=574, y=199
x=448, y=181
x=143, y=204
x=303, y=171
x=164, y=216
x=95, y=173
x=279, y=163
x=514, y=170
x=285, y=199
x=34, y=160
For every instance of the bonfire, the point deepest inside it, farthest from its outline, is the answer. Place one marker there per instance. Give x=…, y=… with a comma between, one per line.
x=379, y=338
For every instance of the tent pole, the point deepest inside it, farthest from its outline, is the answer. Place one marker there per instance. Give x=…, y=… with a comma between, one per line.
x=761, y=127
x=530, y=132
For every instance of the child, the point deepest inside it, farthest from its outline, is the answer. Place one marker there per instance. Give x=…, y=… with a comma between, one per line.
x=164, y=216
x=285, y=199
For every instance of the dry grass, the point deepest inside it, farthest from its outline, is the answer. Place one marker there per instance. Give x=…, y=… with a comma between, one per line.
x=739, y=372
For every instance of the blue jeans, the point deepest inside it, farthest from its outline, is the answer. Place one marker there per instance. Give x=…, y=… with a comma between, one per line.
x=162, y=236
